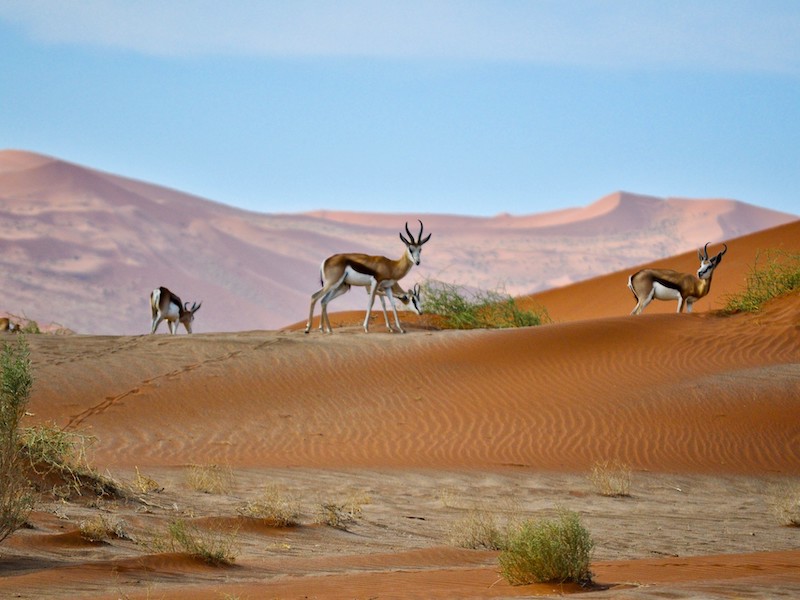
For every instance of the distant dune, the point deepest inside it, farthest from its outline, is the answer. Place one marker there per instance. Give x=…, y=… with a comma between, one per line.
x=83, y=248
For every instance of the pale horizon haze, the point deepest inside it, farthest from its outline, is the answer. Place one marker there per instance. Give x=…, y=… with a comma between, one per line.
x=455, y=107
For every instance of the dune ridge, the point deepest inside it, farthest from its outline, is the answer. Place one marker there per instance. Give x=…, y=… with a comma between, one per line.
x=103, y=241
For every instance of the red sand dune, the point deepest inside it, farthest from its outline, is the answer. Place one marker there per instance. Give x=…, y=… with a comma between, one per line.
x=703, y=407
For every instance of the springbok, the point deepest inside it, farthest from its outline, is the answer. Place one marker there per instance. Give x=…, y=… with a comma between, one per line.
x=340, y=271
x=410, y=298
x=7, y=324
x=666, y=284
x=164, y=305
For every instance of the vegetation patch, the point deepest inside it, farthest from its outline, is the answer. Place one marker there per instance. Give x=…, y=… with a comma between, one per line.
x=774, y=273
x=102, y=528
x=16, y=382
x=478, y=529
x=611, y=478
x=214, y=547
x=274, y=507
x=59, y=460
x=548, y=551
x=785, y=501
x=456, y=307
x=209, y=479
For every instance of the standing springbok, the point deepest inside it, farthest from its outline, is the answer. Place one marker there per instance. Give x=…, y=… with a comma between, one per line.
x=340, y=271
x=164, y=305
x=666, y=284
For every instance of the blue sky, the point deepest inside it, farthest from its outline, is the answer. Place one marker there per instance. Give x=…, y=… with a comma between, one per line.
x=467, y=107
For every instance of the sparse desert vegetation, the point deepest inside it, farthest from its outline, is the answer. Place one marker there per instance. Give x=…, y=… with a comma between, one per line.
x=16, y=381
x=457, y=307
x=209, y=479
x=548, y=550
x=611, y=478
x=773, y=274
x=785, y=502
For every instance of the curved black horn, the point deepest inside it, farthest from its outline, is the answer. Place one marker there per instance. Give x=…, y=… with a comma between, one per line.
x=725, y=250
x=705, y=250
x=404, y=240
x=420, y=241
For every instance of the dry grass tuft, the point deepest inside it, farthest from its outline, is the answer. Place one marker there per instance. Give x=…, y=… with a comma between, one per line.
x=611, y=478
x=209, y=479
x=274, y=506
x=102, y=528
x=214, y=547
x=144, y=484
x=785, y=501
x=478, y=529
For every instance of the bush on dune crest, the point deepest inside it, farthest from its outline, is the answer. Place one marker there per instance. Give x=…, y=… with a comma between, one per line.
x=460, y=308
x=774, y=273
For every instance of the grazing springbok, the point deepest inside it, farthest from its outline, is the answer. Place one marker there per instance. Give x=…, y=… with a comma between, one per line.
x=164, y=305
x=340, y=271
x=666, y=284
x=410, y=298
x=7, y=324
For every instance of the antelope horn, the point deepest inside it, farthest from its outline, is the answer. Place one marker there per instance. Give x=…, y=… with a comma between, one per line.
x=405, y=241
x=705, y=250
x=420, y=241
x=725, y=250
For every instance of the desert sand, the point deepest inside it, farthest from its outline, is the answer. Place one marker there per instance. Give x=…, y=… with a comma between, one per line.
x=416, y=432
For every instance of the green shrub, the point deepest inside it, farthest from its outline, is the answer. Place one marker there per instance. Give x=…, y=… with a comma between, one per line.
x=778, y=274
x=460, y=308
x=15, y=388
x=548, y=550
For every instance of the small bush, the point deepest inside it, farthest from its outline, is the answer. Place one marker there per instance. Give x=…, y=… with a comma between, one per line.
x=459, y=308
x=545, y=550
x=778, y=274
x=786, y=504
x=210, y=479
x=274, y=506
x=16, y=382
x=215, y=548
x=611, y=478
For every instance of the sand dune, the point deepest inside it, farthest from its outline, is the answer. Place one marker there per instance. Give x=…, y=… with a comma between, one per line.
x=84, y=248
x=416, y=432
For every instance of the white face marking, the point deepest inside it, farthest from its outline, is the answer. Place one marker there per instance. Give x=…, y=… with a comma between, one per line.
x=414, y=253
x=706, y=267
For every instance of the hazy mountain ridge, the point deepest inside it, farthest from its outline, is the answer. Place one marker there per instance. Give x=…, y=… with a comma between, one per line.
x=84, y=248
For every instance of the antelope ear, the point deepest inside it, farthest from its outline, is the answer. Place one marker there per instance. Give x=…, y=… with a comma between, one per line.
x=700, y=254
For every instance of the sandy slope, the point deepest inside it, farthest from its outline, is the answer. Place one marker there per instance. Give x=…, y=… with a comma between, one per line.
x=418, y=430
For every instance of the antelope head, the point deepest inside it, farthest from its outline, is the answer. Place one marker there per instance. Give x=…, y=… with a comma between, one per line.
x=187, y=315
x=707, y=265
x=414, y=246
